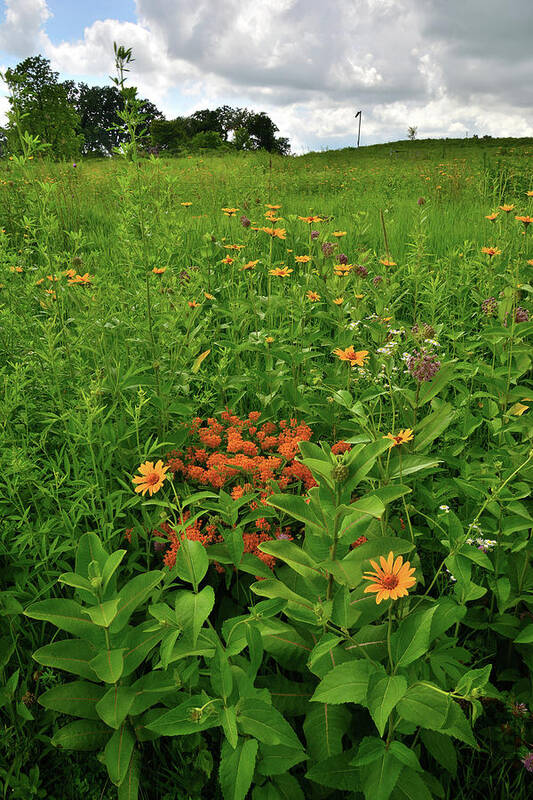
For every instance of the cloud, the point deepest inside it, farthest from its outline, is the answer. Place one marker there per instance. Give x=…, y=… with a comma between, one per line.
x=21, y=31
x=447, y=67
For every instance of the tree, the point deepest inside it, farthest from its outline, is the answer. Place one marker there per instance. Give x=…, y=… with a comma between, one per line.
x=262, y=132
x=411, y=132
x=43, y=108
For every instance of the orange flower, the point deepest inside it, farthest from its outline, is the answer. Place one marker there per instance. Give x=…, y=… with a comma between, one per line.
x=192, y=304
x=229, y=212
x=269, y=339
x=312, y=296
x=159, y=270
x=491, y=217
x=392, y=580
x=279, y=233
x=401, y=437
x=526, y=220
x=387, y=263
x=69, y=273
x=271, y=215
x=151, y=477
x=38, y=283
x=530, y=262
x=274, y=208
x=491, y=251
x=311, y=219
x=208, y=296
x=529, y=194
x=16, y=269
x=186, y=204
x=507, y=208
x=338, y=234
x=227, y=260
x=234, y=246
x=280, y=272
x=302, y=259
x=355, y=357
x=250, y=264
x=339, y=301
x=82, y=280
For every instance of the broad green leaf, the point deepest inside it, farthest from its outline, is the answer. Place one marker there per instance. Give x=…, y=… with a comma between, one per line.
x=138, y=642
x=103, y=614
x=405, y=755
x=336, y=772
x=276, y=760
x=410, y=465
x=350, y=569
x=383, y=695
x=237, y=768
x=380, y=776
x=477, y=556
x=220, y=674
x=288, y=787
x=271, y=587
x=76, y=581
x=108, y=665
x=118, y=752
x=293, y=555
x=115, y=705
x=78, y=698
x=71, y=655
x=296, y=506
x=132, y=595
x=441, y=748
x=425, y=705
x=191, y=562
x=150, y=688
x=410, y=786
x=68, y=616
x=186, y=718
x=84, y=734
x=432, y=426
x=525, y=636
x=411, y=640
x=110, y=567
x=228, y=720
x=457, y=725
x=192, y=610
x=129, y=788
x=346, y=683
x=265, y=723
x=362, y=463
x=89, y=549
x=324, y=728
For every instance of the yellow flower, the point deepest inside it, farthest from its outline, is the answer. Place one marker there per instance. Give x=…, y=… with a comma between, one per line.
x=355, y=357
x=339, y=301
x=401, y=437
x=269, y=339
x=159, y=270
x=507, y=208
x=82, y=280
x=387, y=263
x=491, y=217
x=491, y=251
x=280, y=272
x=186, y=204
x=227, y=260
x=338, y=234
x=250, y=264
x=234, y=246
x=274, y=208
x=151, y=477
x=208, y=296
x=302, y=259
x=391, y=580
x=276, y=233
x=311, y=219
x=229, y=212
x=312, y=296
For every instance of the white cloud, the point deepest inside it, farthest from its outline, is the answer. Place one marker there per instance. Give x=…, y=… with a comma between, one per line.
x=21, y=31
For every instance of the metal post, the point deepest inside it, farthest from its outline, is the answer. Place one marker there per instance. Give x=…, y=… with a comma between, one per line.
x=359, y=114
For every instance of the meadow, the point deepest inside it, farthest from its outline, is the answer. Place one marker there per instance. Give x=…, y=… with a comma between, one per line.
x=265, y=466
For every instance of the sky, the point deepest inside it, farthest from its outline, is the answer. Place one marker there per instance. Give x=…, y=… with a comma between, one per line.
x=449, y=67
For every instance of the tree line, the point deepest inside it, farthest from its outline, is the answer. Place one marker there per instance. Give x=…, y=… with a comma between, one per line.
x=75, y=119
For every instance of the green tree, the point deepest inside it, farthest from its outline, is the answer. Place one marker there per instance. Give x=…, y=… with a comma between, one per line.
x=43, y=108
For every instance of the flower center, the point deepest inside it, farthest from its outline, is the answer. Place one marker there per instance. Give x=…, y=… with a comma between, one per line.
x=389, y=581
x=152, y=478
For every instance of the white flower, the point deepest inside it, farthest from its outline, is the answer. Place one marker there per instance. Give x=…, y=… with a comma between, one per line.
x=446, y=509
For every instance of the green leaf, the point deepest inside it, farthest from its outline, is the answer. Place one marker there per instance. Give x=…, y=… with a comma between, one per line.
x=383, y=695
x=150, y=688
x=89, y=549
x=129, y=788
x=405, y=755
x=133, y=594
x=477, y=556
x=276, y=760
x=441, y=748
x=115, y=705
x=425, y=706
x=346, y=683
x=111, y=565
x=103, y=614
x=350, y=570
x=293, y=555
x=68, y=616
x=76, y=581
x=410, y=786
x=411, y=640
x=429, y=389
x=138, y=642
x=457, y=725
x=265, y=723
x=336, y=772
x=220, y=674
x=410, y=465
x=237, y=768
x=296, y=506
x=381, y=775
x=433, y=425
x=118, y=753
x=324, y=728
x=182, y=719
x=108, y=665
x=71, y=655
x=525, y=636
x=83, y=734
x=191, y=562
x=228, y=720
x=78, y=698
x=192, y=610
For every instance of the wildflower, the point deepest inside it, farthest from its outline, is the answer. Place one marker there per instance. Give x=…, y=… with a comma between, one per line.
x=377, y=280
x=387, y=263
x=327, y=248
x=314, y=235
x=82, y=280
x=339, y=301
x=186, y=204
x=507, y=208
x=527, y=761
x=491, y=251
x=401, y=437
x=227, y=260
x=521, y=314
x=208, y=296
x=310, y=220
x=421, y=201
x=361, y=270
x=192, y=304
x=271, y=215
x=250, y=264
x=422, y=365
x=358, y=542
x=159, y=270
x=245, y=222
x=234, y=246
x=281, y=272
x=491, y=217
x=444, y=508
x=269, y=339
x=339, y=234
x=526, y=220
x=489, y=306
x=38, y=283
x=312, y=296
x=271, y=207
x=356, y=358
x=151, y=478
x=302, y=259
x=519, y=710
x=276, y=233
x=529, y=194
x=392, y=580
x=16, y=269
x=230, y=212
x=342, y=258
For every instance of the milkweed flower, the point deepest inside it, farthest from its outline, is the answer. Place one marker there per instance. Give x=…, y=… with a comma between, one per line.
x=328, y=248
x=361, y=270
x=314, y=235
x=151, y=478
x=391, y=580
x=355, y=357
x=527, y=761
x=422, y=365
x=401, y=437
x=489, y=306
x=245, y=222
x=377, y=280
x=342, y=258
x=280, y=272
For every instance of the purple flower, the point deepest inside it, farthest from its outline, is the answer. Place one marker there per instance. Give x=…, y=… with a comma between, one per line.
x=521, y=314
x=314, y=235
x=283, y=536
x=342, y=258
x=361, y=270
x=528, y=761
x=328, y=248
x=422, y=365
x=421, y=201
x=245, y=222
x=489, y=306
x=377, y=280
x=74, y=164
